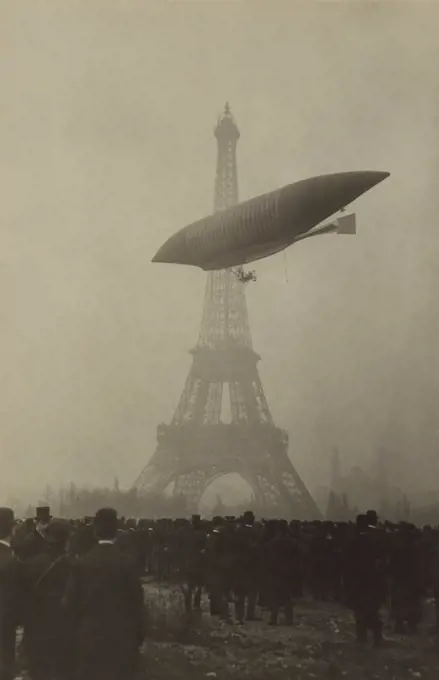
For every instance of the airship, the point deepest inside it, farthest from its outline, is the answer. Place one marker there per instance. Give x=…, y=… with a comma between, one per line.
x=267, y=224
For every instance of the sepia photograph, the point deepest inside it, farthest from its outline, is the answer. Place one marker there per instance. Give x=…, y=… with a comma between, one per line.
x=219, y=415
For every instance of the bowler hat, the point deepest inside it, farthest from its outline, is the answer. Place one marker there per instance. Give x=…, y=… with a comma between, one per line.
x=105, y=522
x=6, y=517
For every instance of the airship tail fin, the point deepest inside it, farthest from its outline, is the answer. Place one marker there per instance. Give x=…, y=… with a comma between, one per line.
x=347, y=224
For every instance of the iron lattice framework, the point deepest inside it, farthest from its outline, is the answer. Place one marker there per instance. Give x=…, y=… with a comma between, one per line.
x=198, y=446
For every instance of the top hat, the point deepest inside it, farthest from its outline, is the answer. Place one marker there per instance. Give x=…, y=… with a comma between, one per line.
x=43, y=514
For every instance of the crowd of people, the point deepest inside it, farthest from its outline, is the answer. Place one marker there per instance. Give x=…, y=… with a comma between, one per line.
x=267, y=565
x=75, y=586
x=82, y=612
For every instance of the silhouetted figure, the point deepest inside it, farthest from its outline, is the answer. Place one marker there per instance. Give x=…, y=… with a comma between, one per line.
x=47, y=634
x=10, y=596
x=246, y=568
x=83, y=538
x=365, y=580
x=192, y=561
x=34, y=543
x=105, y=598
x=407, y=580
x=281, y=563
x=219, y=561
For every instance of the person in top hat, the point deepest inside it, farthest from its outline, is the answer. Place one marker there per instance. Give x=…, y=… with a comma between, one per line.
x=35, y=542
x=365, y=581
x=372, y=518
x=47, y=637
x=280, y=557
x=105, y=598
x=246, y=568
x=43, y=515
x=10, y=596
x=191, y=546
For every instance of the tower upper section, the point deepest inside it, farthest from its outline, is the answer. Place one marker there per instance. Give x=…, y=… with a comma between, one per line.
x=225, y=318
x=226, y=183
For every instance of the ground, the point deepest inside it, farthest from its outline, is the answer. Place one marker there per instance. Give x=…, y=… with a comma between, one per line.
x=320, y=645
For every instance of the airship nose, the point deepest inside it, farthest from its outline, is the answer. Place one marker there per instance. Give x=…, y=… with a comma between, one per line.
x=174, y=250
x=360, y=182
x=311, y=201
x=348, y=186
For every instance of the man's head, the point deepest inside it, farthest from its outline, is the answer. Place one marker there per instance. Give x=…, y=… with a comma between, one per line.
x=106, y=524
x=6, y=523
x=362, y=522
x=58, y=532
x=29, y=524
x=43, y=515
x=372, y=518
x=196, y=521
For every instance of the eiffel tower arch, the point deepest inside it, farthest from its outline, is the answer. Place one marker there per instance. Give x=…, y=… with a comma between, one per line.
x=197, y=447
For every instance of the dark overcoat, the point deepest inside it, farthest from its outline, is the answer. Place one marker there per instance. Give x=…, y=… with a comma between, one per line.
x=105, y=599
x=47, y=635
x=10, y=609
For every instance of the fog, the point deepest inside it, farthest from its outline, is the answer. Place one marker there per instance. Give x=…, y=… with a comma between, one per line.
x=107, y=111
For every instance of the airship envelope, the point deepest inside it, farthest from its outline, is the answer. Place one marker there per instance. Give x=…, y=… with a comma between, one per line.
x=267, y=224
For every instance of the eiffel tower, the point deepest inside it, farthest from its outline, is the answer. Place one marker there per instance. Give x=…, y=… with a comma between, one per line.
x=197, y=447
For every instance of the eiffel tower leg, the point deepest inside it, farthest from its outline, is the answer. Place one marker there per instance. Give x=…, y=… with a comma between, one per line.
x=191, y=485
x=295, y=493
x=153, y=479
x=279, y=489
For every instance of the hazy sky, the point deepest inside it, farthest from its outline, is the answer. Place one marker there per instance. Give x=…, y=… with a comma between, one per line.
x=107, y=109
